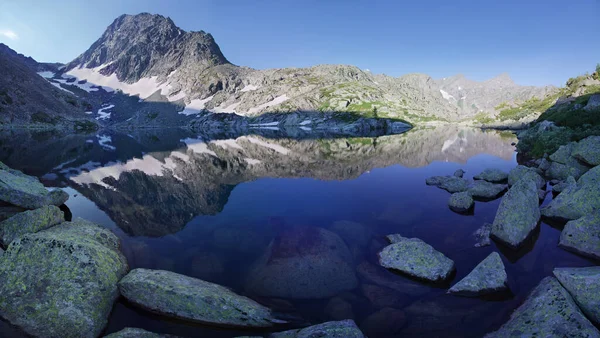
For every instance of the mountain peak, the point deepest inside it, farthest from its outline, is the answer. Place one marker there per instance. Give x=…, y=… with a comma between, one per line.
x=502, y=80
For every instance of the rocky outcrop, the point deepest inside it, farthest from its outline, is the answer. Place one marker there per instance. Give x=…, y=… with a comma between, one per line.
x=492, y=175
x=416, y=258
x=576, y=201
x=518, y=214
x=342, y=329
x=549, y=311
x=29, y=222
x=487, y=277
x=584, y=286
x=178, y=296
x=564, y=164
x=588, y=150
x=461, y=202
x=303, y=262
x=27, y=192
x=50, y=277
x=582, y=236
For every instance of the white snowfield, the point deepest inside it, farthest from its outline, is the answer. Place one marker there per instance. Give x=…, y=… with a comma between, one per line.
x=198, y=146
x=447, y=96
x=276, y=147
x=249, y=88
x=195, y=106
x=274, y=102
x=103, y=114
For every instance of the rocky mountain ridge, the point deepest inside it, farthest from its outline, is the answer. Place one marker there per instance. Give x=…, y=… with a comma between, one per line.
x=184, y=75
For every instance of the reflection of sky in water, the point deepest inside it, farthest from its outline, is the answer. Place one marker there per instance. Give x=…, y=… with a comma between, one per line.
x=263, y=192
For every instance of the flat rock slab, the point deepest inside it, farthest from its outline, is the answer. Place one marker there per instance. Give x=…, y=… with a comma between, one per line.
x=178, y=296
x=549, y=311
x=61, y=282
x=488, y=277
x=576, y=201
x=584, y=286
x=416, y=258
x=461, y=202
x=451, y=184
x=487, y=191
x=588, y=150
x=518, y=214
x=130, y=332
x=341, y=329
x=582, y=236
x=517, y=173
x=30, y=221
x=27, y=192
x=492, y=175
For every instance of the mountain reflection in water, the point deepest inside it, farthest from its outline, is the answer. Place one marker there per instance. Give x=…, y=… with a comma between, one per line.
x=293, y=223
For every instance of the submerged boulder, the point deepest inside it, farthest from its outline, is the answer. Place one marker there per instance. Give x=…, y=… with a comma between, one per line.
x=584, y=286
x=486, y=191
x=178, y=296
x=461, y=202
x=576, y=201
x=518, y=214
x=61, y=282
x=588, y=150
x=451, y=184
x=416, y=258
x=341, y=329
x=549, y=311
x=482, y=235
x=488, y=276
x=492, y=175
x=582, y=236
x=27, y=192
x=303, y=262
x=130, y=332
x=459, y=173
x=30, y=221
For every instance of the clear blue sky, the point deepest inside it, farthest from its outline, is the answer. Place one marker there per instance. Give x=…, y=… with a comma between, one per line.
x=536, y=42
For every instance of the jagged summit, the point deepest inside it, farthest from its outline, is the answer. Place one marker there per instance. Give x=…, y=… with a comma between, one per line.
x=143, y=45
x=502, y=80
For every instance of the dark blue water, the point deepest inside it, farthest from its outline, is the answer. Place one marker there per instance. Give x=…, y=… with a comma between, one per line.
x=259, y=215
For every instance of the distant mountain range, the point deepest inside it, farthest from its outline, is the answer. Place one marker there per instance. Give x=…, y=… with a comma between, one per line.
x=145, y=71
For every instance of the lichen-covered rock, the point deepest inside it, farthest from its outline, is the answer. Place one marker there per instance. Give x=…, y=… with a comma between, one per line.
x=549, y=311
x=130, y=332
x=576, y=201
x=30, y=221
x=588, y=150
x=8, y=211
x=459, y=173
x=492, y=175
x=488, y=276
x=61, y=282
x=517, y=215
x=482, y=235
x=27, y=192
x=451, y=184
x=178, y=296
x=461, y=202
x=560, y=187
x=582, y=236
x=341, y=329
x=584, y=286
x=416, y=258
x=486, y=191
x=544, y=164
x=303, y=262
x=564, y=164
x=519, y=172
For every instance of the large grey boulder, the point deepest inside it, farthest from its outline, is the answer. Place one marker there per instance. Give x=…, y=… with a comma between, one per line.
x=582, y=236
x=486, y=191
x=130, y=332
x=517, y=215
x=416, y=258
x=61, y=282
x=588, y=150
x=341, y=329
x=27, y=192
x=7, y=211
x=562, y=186
x=303, y=262
x=492, y=175
x=178, y=296
x=593, y=103
x=517, y=173
x=564, y=164
x=461, y=202
x=488, y=276
x=549, y=311
x=584, y=286
x=451, y=184
x=576, y=201
x=30, y=221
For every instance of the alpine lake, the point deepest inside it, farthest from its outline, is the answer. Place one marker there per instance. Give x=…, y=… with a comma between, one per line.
x=294, y=223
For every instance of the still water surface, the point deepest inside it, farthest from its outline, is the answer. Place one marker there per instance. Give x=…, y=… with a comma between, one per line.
x=295, y=224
